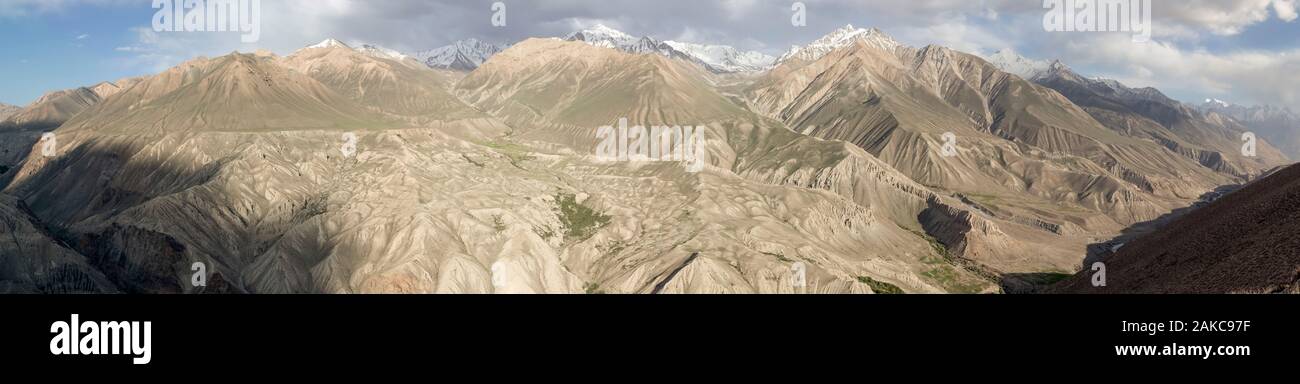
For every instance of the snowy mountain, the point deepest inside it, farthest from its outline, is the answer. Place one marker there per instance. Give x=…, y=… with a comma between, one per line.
x=367, y=49
x=837, y=39
x=328, y=43
x=1279, y=125
x=715, y=58
x=381, y=52
x=464, y=55
x=1011, y=62
x=602, y=36
x=722, y=58
x=1249, y=113
x=1215, y=103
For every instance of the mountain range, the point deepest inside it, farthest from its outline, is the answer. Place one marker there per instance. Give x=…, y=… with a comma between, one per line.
x=854, y=164
x=1276, y=124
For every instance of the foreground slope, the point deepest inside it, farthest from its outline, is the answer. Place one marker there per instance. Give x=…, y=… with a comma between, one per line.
x=1245, y=242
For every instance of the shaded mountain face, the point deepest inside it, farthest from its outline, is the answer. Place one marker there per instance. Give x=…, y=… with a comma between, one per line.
x=52, y=109
x=1244, y=242
x=1212, y=141
x=33, y=260
x=24, y=127
x=1280, y=126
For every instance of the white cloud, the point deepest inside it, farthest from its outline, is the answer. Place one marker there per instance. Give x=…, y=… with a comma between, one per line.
x=1286, y=9
x=1259, y=77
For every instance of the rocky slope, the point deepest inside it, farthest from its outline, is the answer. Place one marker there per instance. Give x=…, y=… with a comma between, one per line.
x=1039, y=165
x=462, y=55
x=1244, y=242
x=6, y=110
x=451, y=203
x=355, y=170
x=32, y=260
x=1210, y=140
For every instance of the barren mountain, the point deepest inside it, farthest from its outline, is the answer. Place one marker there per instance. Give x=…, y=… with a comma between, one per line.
x=33, y=261
x=24, y=127
x=52, y=109
x=1213, y=141
x=396, y=85
x=1244, y=242
x=462, y=55
x=339, y=169
x=567, y=90
x=1038, y=165
x=278, y=205
x=6, y=110
x=1278, y=125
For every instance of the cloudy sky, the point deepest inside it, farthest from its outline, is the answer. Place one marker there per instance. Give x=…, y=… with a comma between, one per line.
x=1243, y=51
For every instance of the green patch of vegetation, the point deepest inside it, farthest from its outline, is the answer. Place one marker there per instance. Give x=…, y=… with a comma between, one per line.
x=578, y=222
x=498, y=224
x=515, y=152
x=592, y=289
x=939, y=249
x=948, y=278
x=943, y=271
x=880, y=287
x=987, y=200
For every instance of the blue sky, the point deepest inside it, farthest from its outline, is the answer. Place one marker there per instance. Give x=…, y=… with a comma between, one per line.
x=1245, y=51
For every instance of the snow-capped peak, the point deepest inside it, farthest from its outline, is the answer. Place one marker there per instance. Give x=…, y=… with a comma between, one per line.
x=381, y=52
x=603, y=36
x=1220, y=103
x=464, y=55
x=329, y=43
x=716, y=58
x=1009, y=61
x=722, y=58
x=365, y=49
x=839, y=38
